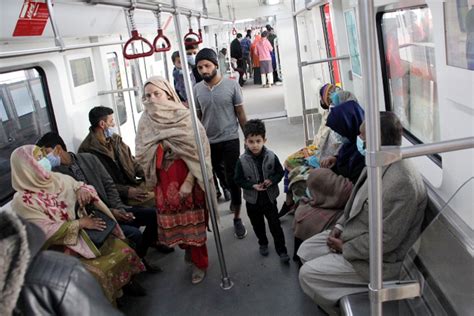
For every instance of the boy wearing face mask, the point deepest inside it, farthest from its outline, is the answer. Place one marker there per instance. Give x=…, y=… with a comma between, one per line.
x=179, y=79
x=191, y=52
x=116, y=157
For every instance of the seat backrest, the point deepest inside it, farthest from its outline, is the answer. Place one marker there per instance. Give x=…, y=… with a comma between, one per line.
x=442, y=260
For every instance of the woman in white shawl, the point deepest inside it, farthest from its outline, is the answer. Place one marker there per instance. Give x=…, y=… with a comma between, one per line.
x=166, y=148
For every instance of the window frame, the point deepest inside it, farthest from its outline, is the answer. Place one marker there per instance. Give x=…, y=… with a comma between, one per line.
x=49, y=109
x=436, y=158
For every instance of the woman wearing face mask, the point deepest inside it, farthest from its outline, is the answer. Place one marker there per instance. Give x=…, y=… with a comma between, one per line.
x=166, y=148
x=48, y=199
x=346, y=120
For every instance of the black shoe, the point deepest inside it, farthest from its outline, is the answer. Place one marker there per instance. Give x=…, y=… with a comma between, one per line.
x=133, y=288
x=284, y=258
x=151, y=267
x=285, y=208
x=227, y=196
x=163, y=248
x=263, y=250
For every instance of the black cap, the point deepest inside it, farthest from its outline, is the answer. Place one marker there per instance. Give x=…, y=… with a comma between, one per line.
x=207, y=54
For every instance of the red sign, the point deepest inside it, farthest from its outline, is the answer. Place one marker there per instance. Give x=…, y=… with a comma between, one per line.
x=33, y=18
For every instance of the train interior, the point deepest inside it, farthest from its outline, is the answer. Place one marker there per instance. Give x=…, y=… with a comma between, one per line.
x=50, y=79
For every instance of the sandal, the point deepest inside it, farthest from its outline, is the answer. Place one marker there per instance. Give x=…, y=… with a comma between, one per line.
x=198, y=275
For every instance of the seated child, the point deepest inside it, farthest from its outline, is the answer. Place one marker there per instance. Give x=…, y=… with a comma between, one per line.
x=258, y=172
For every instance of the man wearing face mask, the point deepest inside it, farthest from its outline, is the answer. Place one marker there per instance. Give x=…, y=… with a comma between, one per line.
x=191, y=51
x=337, y=260
x=116, y=157
x=87, y=168
x=220, y=107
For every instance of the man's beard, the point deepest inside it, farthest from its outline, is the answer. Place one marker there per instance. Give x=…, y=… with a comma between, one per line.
x=208, y=78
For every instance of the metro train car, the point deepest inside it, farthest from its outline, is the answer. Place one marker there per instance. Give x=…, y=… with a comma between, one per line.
x=59, y=59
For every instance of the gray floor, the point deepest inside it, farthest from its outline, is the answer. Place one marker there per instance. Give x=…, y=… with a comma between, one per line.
x=262, y=285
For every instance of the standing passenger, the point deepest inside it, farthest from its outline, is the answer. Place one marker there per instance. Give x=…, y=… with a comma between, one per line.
x=264, y=48
x=220, y=106
x=166, y=148
x=178, y=78
x=258, y=172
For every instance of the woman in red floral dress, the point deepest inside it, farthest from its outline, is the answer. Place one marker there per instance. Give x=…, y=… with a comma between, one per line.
x=166, y=148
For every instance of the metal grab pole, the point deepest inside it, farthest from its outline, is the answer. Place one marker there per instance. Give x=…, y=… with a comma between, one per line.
x=226, y=283
x=374, y=176
x=300, y=72
x=57, y=37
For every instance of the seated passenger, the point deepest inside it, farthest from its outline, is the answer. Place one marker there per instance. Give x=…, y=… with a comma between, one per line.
x=326, y=144
x=116, y=157
x=337, y=261
x=36, y=282
x=48, y=199
x=346, y=120
x=328, y=194
x=87, y=168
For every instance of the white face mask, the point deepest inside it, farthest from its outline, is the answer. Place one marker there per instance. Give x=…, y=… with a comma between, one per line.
x=109, y=131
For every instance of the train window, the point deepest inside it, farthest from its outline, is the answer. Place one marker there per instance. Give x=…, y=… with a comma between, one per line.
x=24, y=115
x=459, y=23
x=409, y=71
x=116, y=83
x=81, y=69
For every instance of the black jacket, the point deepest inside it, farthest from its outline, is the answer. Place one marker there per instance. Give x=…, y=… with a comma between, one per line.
x=235, y=49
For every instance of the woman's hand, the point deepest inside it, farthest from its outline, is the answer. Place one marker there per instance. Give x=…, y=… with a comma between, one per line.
x=328, y=162
x=84, y=196
x=185, y=189
x=94, y=223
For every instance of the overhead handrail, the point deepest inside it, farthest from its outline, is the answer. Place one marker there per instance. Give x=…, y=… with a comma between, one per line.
x=136, y=38
x=167, y=46
x=199, y=28
x=191, y=34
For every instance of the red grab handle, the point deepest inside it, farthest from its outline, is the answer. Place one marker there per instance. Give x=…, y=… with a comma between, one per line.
x=234, y=31
x=191, y=34
x=165, y=39
x=137, y=37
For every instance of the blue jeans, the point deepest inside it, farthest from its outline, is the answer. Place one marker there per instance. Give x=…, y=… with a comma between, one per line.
x=143, y=217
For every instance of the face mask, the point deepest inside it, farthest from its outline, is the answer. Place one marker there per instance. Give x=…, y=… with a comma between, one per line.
x=191, y=59
x=54, y=160
x=109, y=131
x=335, y=98
x=361, y=146
x=45, y=164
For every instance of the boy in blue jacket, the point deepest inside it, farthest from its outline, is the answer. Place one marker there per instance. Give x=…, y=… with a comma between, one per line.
x=258, y=172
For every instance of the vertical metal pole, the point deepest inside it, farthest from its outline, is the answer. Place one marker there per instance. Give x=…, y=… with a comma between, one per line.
x=300, y=71
x=374, y=176
x=226, y=282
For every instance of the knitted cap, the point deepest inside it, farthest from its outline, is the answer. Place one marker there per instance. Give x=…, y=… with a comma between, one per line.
x=207, y=54
x=325, y=91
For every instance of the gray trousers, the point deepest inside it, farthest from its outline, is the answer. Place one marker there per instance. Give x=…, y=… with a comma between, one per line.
x=326, y=277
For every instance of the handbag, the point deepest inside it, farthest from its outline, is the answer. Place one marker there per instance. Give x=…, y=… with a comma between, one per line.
x=96, y=236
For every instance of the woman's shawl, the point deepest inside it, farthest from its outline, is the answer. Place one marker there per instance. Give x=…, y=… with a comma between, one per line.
x=169, y=123
x=48, y=199
x=345, y=120
x=329, y=194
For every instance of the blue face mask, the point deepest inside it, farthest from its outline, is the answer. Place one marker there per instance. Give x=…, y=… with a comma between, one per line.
x=191, y=59
x=335, y=98
x=109, y=131
x=45, y=164
x=361, y=146
x=54, y=160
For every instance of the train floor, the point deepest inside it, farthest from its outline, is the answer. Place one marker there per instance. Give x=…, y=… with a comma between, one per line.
x=262, y=285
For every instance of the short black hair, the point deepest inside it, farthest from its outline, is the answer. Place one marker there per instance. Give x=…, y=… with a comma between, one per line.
x=50, y=140
x=99, y=113
x=254, y=127
x=391, y=129
x=190, y=46
x=239, y=35
x=264, y=34
x=174, y=56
